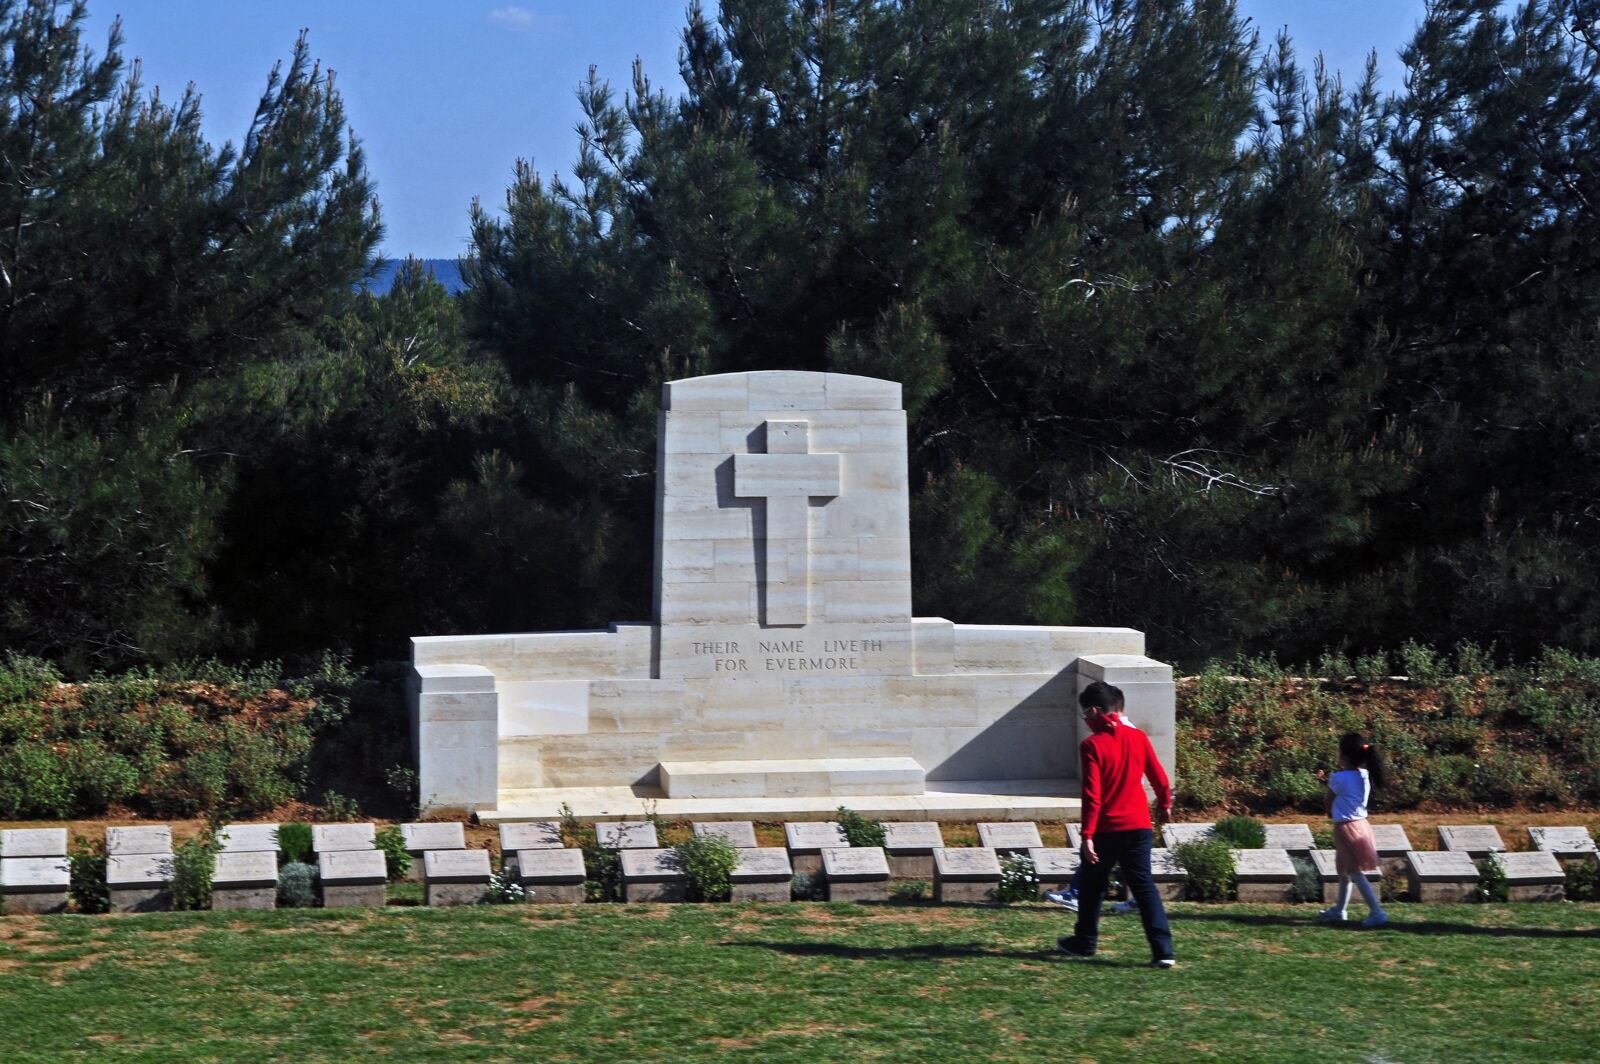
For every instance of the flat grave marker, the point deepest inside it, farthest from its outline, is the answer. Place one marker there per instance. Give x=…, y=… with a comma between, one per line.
x=1533, y=876
x=742, y=833
x=455, y=877
x=654, y=874
x=157, y=838
x=248, y=838
x=337, y=838
x=762, y=874
x=34, y=884
x=352, y=878
x=1325, y=862
x=1010, y=836
x=1479, y=840
x=965, y=874
x=1264, y=875
x=551, y=876
x=36, y=842
x=1441, y=875
x=1566, y=843
x=245, y=879
x=1295, y=839
x=1055, y=866
x=627, y=835
x=807, y=839
x=139, y=882
x=858, y=873
x=1175, y=834
x=530, y=835
x=909, y=845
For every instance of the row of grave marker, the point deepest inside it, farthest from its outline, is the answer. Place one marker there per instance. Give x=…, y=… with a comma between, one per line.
x=35, y=876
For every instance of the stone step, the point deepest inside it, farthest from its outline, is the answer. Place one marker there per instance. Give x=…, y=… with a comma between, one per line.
x=792, y=778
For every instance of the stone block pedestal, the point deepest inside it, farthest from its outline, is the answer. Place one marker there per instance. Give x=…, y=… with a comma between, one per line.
x=139, y=882
x=1441, y=876
x=456, y=877
x=653, y=875
x=31, y=885
x=245, y=879
x=1535, y=876
x=856, y=874
x=1264, y=876
x=551, y=876
x=353, y=878
x=1055, y=866
x=762, y=874
x=909, y=846
x=965, y=875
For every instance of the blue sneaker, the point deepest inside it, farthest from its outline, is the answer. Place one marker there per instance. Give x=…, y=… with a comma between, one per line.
x=1064, y=898
x=1124, y=907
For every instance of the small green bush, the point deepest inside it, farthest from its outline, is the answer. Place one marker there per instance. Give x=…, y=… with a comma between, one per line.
x=1583, y=880
x=1209, y=866
x=1334, y=665
x=1199, y=783
x=395, y=855
x=804, y=886
x=34, y=784
x=87, y=868
x=1322, y=838
x=294, y=843
x=1307, y=884
x=907, y=891
x=1019, y=880
x=194, y=865
x=859, y=830
x=297, y=886
x=709, y=861
x=1492, y=884
x=1372, y=668
x=505, y=890
x=1422, y=665
x=1241, y=832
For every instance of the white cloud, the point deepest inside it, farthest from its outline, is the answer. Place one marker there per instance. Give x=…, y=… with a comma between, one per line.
x=512, y=17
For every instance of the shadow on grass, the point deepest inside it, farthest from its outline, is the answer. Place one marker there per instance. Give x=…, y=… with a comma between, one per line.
x=1396, y=924
x=929, y=951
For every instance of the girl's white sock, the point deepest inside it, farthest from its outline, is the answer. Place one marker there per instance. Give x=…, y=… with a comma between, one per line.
x=1369, y=895
x=1341, y=901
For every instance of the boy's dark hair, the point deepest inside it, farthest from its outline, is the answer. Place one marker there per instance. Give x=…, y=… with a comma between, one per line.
x=1102, y=696
x=1362, y=754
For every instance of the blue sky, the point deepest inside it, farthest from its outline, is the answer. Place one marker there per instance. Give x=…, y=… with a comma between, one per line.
x=445, y=96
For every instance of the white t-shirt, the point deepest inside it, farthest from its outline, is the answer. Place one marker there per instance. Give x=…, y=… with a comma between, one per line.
x=1350, y=788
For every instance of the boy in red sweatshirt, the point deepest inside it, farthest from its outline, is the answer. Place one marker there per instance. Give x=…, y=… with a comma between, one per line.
x=1117, y=831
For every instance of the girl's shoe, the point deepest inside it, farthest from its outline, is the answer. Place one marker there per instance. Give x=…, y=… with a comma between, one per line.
x=1333, y=914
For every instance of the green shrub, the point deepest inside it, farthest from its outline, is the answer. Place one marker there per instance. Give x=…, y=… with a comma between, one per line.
x=87, y=868
x=1199, y=782
x=1491, y=881
x=1322, y=838
x=1372, y=668
x=336, y=806
x=297, y=886
x=1241, y=832
x=804, y=886
x=25, y=679
x=294, y=843
x=1294, y=786
x=1209, y=866
x=906, y=891
x=1333, y=665
x=1019, y=880
x=1583, y=880
x=1474, y=662
x=1450, y=778
x=505, y=890
x=194, y=864
x=709, y=861
x=859, y=830
x=34, y=784
x=1307, y=884
x=1421, y=664
x=1214, y=694
x=392, y=841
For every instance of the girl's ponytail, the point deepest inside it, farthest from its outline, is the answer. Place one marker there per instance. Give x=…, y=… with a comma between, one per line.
x=1362, y=754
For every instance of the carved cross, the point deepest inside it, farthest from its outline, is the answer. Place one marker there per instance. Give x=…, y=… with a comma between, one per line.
x=788, y=476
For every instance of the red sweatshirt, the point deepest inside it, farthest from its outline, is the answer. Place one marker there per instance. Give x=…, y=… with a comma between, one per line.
x=1111, y=762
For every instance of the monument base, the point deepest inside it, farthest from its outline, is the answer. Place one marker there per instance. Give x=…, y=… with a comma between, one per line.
x=943, y=800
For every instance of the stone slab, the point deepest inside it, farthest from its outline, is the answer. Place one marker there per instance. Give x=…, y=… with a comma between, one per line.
x=1294, y=838
x=1010, y=836
x=964, y=891
x=1564, y=842
x=1055, y=864
x=441, y=835
x=1263, y=866
x=1164, y=866
x=530, y=835
x=137, y=871
x=742, y=833
x=330, y=838
x=354, y=895
x=1527, y=868
x=1441, y=876
x=141, y=899
x=34, y=904
x=545, y=867
x=1174, y=834
x=128, y=841
x=907, y=838
x=555, y=893
x=858, y=864
x=34, y=875
x=627, y=835
x=947, y=799
x=762, y=864
x=1074, y=835
x=656, y=865
x=248, y=838
x=244, y=898
x=1479, y=840
x=352, y=868
x=760, y=890
x=245, y=869
x=40, y=842
x=444, y=895
x=1391, y=840
x=795, y=776
x=813, y=836
x=962, y=863
x=456, y=866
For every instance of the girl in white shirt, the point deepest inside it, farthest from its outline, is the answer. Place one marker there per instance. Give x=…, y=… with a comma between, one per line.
x=1355, y=852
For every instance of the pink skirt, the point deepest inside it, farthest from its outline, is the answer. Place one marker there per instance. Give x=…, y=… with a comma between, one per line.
x=1353, y=847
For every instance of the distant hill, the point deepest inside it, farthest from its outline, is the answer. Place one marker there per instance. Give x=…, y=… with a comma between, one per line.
x=446, y=271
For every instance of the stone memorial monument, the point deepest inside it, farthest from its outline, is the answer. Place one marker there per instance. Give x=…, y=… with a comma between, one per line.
x=35, y=875
x=762, y=874
x=1476, y=840
x=456, y=876
x=1264, y=875
x=856, y=874
x=909, y=845
x=551, y=875
x=1441, y=876
x=967, y=874
x=782, y=672
x=245, y=879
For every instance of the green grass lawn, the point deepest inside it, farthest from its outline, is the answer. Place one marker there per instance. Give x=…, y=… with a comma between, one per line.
x=797, y=982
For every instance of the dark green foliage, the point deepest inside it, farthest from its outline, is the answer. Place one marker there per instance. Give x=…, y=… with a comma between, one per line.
x=294, y=843
x=602, y=867
x=1209, y=866
x=88, y=878
x=1241, y=832
x=194, y=864
x=709, y=860
x=298, y=886
x=858, y=830
x=1491, y=881
x=1307, y=884
x=396, y=858
x=1583, y=880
